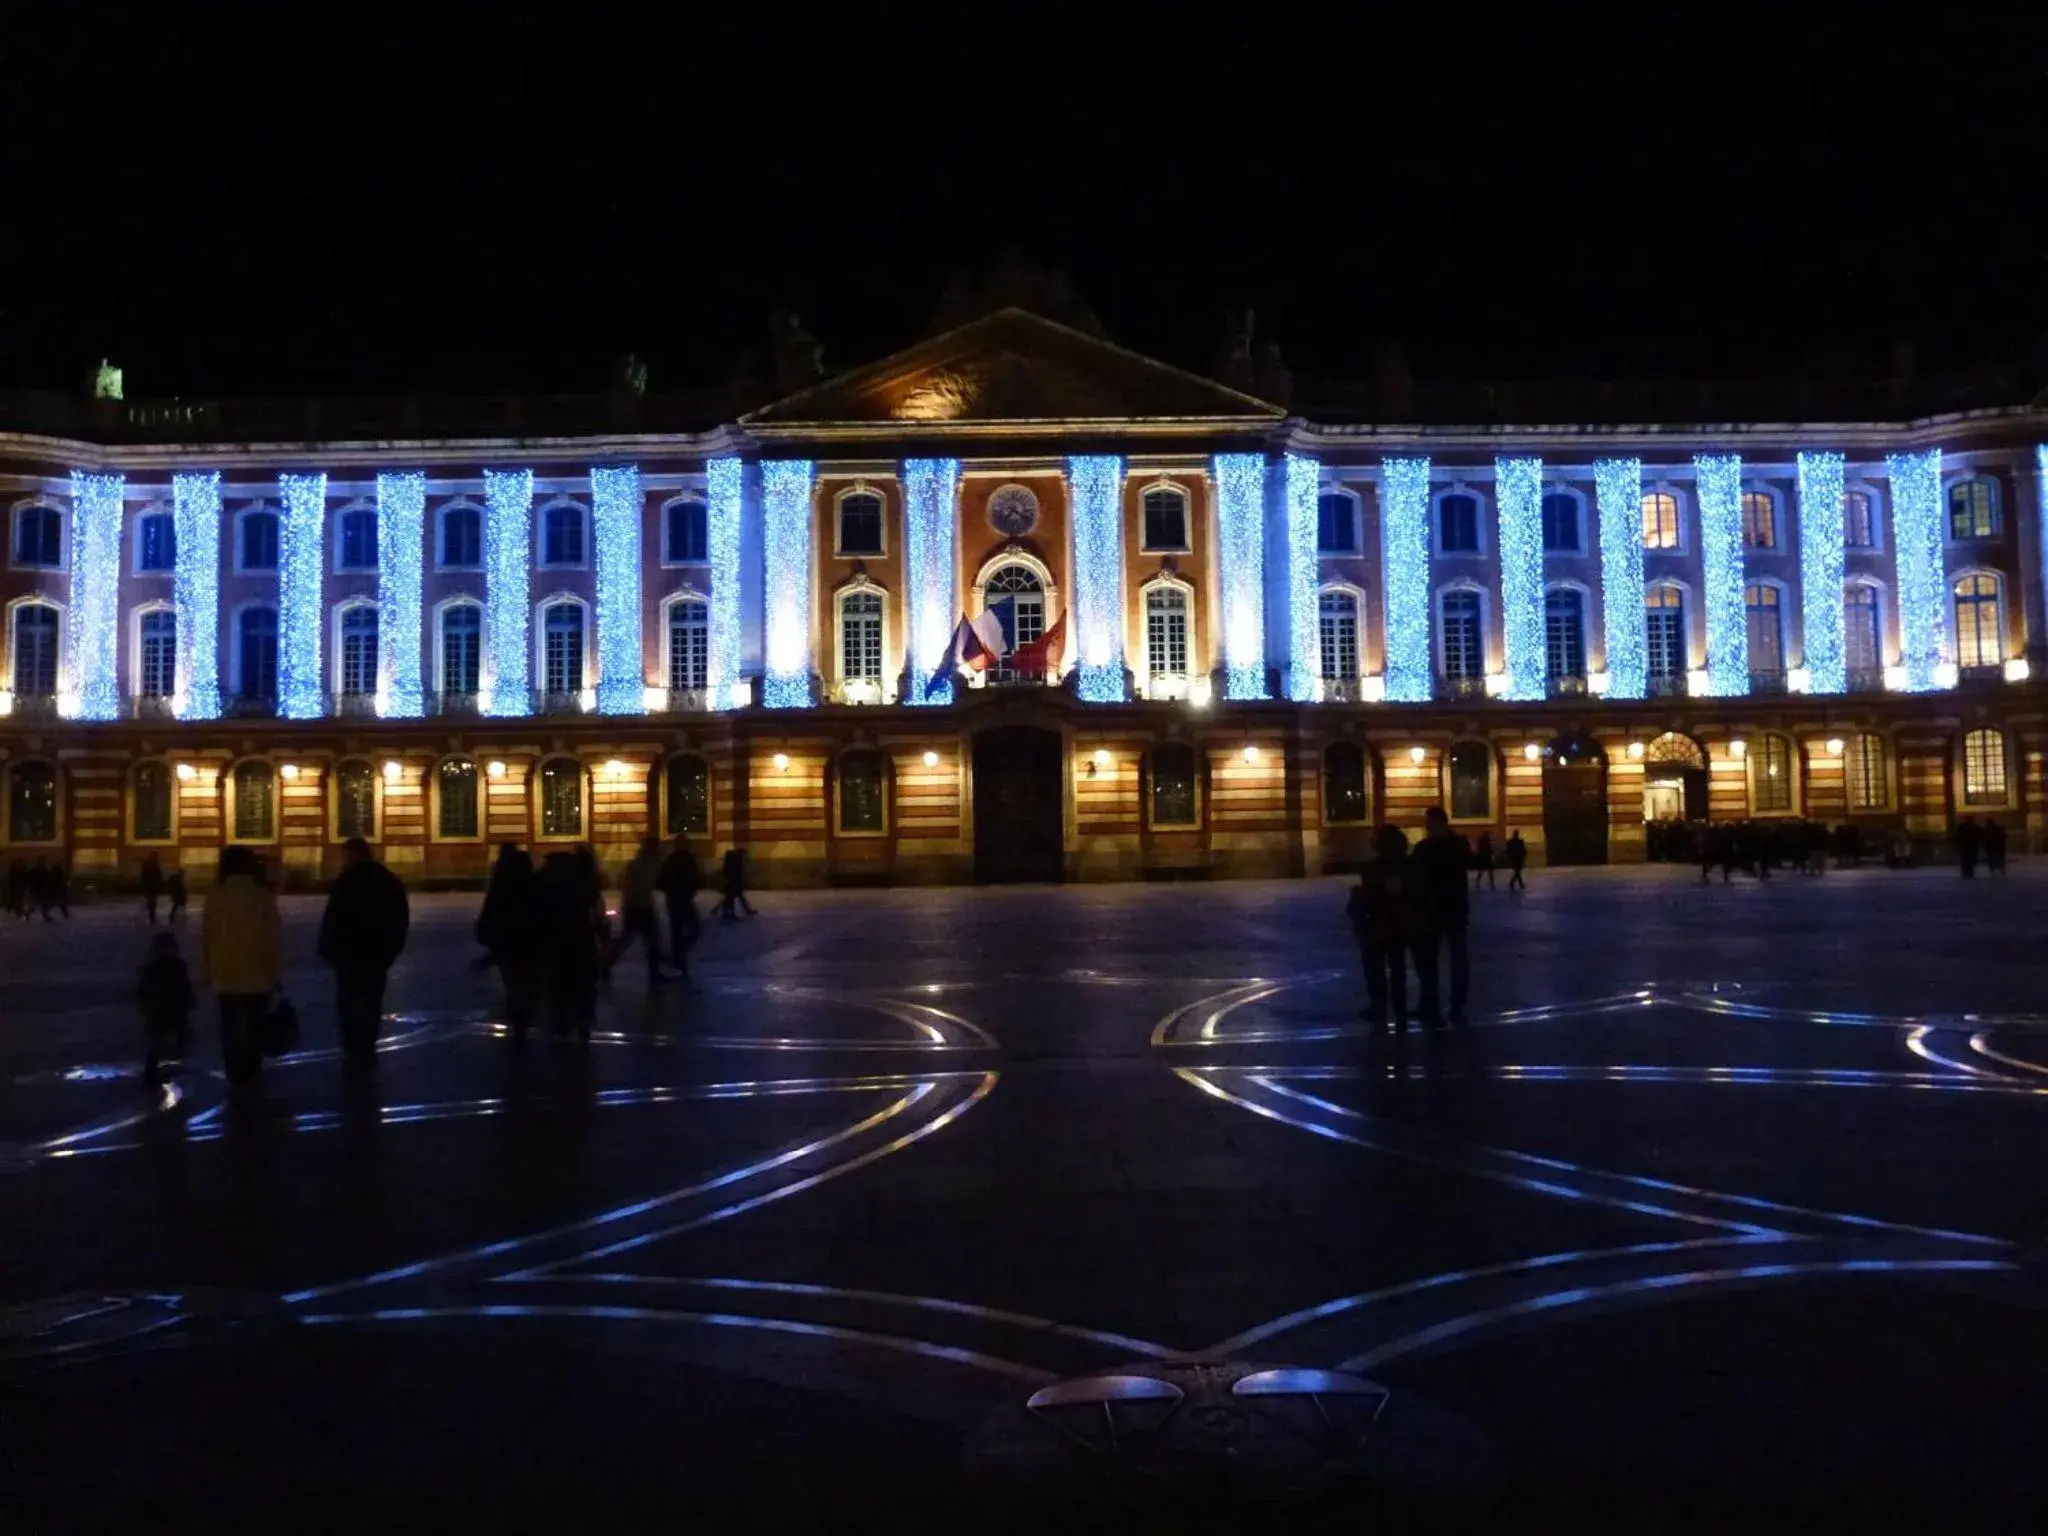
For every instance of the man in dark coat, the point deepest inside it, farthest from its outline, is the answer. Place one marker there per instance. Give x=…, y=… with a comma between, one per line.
x=152, y=886
x=679, y=881
x=1438, y=865
x=362, y=933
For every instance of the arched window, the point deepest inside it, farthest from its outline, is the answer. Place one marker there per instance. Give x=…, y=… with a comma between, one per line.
x=561, y=534
x=1770, y=774
x=150, y=787
x=156, y=654
x=1173, y=785
x=357, y=653
x=256, y=540
x=1660, y=521
x=1564, y=633
x=355, y=539
x=1016, y=597
x=1464, y=644
x=1338, y=613
x=1166, y=520
x=35, y=651
x=1344, y=799
x=156, y=543
x=462, y=650
x=860, y=637
x=1980, y=619
x=861, y=791
x=355, y=800
x=1336, y=524
x=1859, y=520
x=1862, y=635
x=1166, y=630
x=1868, y=771
x=1766, y=632
x=1973, y=509
x=561, y=798
x=254, y=817
x=685, y=532
x=860, y=523
x=38, y=537
x=462, y=539
x=1984, y=767
x=1560, y=516
x=561, y=626
x=689, y=646
x=455, y=788
x=1664, y=634
x=1457, y=524
x=256, y=655
x=1469, y=767
x=1759, y=520
x=689, y=797
x=32, y=803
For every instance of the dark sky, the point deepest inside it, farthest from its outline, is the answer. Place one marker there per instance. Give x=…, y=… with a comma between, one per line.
x=507, y=198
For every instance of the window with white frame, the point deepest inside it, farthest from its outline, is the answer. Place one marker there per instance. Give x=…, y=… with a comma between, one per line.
x=561, y=534
x=685, y=532
x=1166, y=631
x=1862, y=631
x=1973, y=509
x=1984, y=767
x=256, y=540
x=689, y=646
x=1660, y=521
x=561, y=626
x=462, y=538
x=38, y=537
x=1560, y=517
x=1868, y=771
x=1859, y=520
x=156, y=654
x=860, y=637
x=358, y=652
x=1336, y=524
x=36, y=628
x=1664, y=632
x=355, y=540
x=1166, y=519
x=1980, y=621
x=1017, y=597
x=1338, y=613
x=462, y=650
x=156, y=543
x=1770, y=774
x=860, y=523
x=256, y=655
x=1464, y=645
x=1759, y=520
x=1457, y=523
x=1766, y=630
x=1564, y=632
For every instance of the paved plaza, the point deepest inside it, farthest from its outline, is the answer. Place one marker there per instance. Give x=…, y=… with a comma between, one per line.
x=1077, y=1208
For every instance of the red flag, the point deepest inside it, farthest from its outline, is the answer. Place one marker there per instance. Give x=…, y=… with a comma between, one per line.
x=1042, y=655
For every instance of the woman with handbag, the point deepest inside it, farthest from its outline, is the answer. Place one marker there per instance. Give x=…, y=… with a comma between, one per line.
x=243, y=949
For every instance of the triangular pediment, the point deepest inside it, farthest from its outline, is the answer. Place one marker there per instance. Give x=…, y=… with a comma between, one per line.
x=1014, y=366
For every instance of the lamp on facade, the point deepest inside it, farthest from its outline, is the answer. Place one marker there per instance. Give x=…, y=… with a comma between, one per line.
x=1799, y=680
x=187, y=773
x=1945, y=674
x=1697, y=683
x=6, y=702
x=1597, y=683
x=290, y=771
x=1895, y=679
x=1738, y=748
x=1635, y=751
x=1531, y=751
x=495, y=769
x=1834, y=745
x=1102, y=757
x=1251, y=754
x=654, y=700
x=1496, y=684
x=1372, y=690
x=931, y=758
x=781, y=761
x=614, y=768
x=1416, y=754
x=391, y=770
x=2016, y=671
x=1201, y=692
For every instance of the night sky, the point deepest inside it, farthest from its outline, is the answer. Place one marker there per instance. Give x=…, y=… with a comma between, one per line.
x=509, y=198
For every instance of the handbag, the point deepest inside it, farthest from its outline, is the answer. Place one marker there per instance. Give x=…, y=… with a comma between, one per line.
x=277, y=1033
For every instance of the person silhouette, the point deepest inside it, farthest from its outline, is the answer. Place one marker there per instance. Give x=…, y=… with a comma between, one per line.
x=1518, y=856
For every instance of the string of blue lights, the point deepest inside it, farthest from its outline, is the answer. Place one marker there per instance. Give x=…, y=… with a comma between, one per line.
x=1302, y=483
x=725, y=482
x=786, y=536
x=1822, y=560
x=401, y=541
x=1518, y=494
x=95, y=617
x=616, y=514
x=1923, y=586
x=1618, y=496
x=1240, y=527
x=1718, y=477
x=195, y=591
x=508, y=557
x=301, y=554
x=931, y=495
x=1095, y=494
x=1404, y=553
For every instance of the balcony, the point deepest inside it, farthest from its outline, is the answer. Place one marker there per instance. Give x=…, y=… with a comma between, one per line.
x=154, y=706
x=1163, y=686
x=582, y=702
x=1015, y=677
x=1866, y=680
x=1344, y=690
x=858, y=691
x=1666, y=685
x=1571, y=685
x=1767, y=682
x=33, y=706
x=459, y=706
x=249, y=706
x=1459, y=687
x=678, y=701
x=352, y=706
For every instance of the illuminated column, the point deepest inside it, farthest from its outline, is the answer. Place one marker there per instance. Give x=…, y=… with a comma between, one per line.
x=1302, y=480
x=722, y=516
x=786, y=535
x=1404, y=562
x=1922, y=582
x=1821, y=563
x=1518, y=494
x=301, y=558
x=1719, y=484
x=1240, y=543
x=401, y=544
x=621, y=664
x=508, y=560
x=931, y=492
x=195, y=591
x=1095, y=499
x=1618, y=488
x=95, y=617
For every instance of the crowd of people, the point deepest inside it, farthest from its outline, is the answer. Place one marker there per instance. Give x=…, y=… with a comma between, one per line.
x=41, y=887
x=1756, y=848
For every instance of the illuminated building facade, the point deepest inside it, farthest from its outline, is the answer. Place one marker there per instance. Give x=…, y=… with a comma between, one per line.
x=1280, y=625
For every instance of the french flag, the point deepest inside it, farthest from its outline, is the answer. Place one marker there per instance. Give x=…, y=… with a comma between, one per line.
x=978, y=643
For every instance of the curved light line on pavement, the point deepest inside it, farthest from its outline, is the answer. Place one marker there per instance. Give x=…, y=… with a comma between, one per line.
x=1916, y=1042
x=981, y=1035
x=1163, y=1031
x=1768, y=1077
x=1980, y=1043
x=168, y=1097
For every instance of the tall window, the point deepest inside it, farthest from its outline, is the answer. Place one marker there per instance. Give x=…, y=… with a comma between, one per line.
x=1859, y=520
x=1338, y=612
x=686, y=532
x=861, y=783
x=860, y=523
x=1560, y=523
x=152, y=790
x=561, y=798
x=1470, y=768
x=355, y=800
x=1343, y=783
x=1336, y=524
x=562, y=648
x=462, y=650
x=1759, y=521
x=256, y=655
x=1770, y=774
x=860, y=637
x=1464, y=647
x=1980, y=621
x=1766, y=630
x=32, y=803
x=1984, y=767
x=358, y=652
x=1868, y=773
x=356, y=540
x=38, y=537
x=257, y=547
x=1166, y=519
x=1018, y=599
x=1862, y=633
x=1564, y=632
x=35, y=651
x=1173, y=784
x=1166, y=631
x=156, y=658
x=1457, y=524
x=255, y=791
x=455, y=780
x=689, y=646
x=1660, y=520
x=689, y=797
x=462, y=538
x=1664, y=632
x=561, y=534
x=1972, y=509
x=156, y=542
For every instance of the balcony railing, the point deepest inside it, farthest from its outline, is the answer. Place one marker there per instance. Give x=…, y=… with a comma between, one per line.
x=1666, y=685
x=1569, y=686
x=578, y=703
x=249, y=706
x=1343, y=690
x=453, y=705
x=1450, y=687
x=34, y=706
x=1767, y=681
x=1866, y=679
x=352, y=706
x=679, y=701
x=857, y=691
x=153, y=706
x=1163, y=686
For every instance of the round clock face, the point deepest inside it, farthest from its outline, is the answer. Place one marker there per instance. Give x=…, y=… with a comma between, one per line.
x=1013, y=511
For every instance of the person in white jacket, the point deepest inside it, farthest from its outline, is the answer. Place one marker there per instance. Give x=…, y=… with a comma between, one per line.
x=243, y=950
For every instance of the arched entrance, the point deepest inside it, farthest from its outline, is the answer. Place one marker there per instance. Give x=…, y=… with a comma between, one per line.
x=1575, y=801
x=1674, y=793
x=1019, y=776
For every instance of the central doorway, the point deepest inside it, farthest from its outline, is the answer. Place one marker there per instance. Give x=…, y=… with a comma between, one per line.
x=1019, y=773
x=1575, y=802
x=1674, y=795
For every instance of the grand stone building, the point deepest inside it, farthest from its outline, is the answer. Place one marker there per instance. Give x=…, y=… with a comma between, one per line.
x=445, y=624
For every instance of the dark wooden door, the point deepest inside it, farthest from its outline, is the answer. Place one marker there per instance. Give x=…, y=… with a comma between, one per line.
x=1575, y=813
x=1018, y=776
